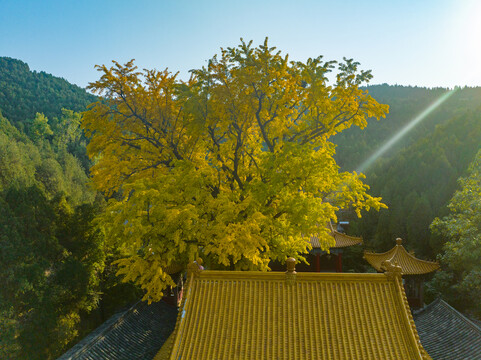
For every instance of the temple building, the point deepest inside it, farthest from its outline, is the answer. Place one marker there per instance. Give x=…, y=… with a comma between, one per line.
x=413, y=270
x=287, y=316
x=293, y=315
x=331, y=262
x=447, y=334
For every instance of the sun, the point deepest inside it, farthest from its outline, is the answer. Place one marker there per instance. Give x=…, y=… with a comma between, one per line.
x=465, y=35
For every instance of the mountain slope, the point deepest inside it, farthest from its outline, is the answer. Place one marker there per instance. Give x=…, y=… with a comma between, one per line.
x=417, y=177
x=406, y=103
x=23, y=93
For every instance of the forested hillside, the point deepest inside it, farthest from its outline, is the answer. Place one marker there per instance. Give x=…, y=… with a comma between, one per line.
x=416, y=177
x=23, y=93
x=51, y=255
x=356, y=145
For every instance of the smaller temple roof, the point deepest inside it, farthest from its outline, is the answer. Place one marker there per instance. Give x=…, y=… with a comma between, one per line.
x=135, y=334
x=409, y=263
x=446, y=333
x=291, y=315
x=342, y=240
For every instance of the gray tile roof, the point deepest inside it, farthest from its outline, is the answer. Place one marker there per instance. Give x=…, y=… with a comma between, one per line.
x=135, y=334
x=446, y=333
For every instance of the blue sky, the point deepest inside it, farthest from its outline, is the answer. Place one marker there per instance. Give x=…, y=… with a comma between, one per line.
x=425, y=42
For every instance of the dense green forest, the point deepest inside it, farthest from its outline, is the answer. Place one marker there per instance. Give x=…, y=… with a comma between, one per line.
x=57, y=276
x=405, y=102
x=23, y=93
x=418, y=176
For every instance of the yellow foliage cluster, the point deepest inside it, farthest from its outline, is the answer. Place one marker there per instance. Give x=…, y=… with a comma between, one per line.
x=234, y=165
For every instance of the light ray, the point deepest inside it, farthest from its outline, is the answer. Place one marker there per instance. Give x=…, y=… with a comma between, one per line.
x=391, y=142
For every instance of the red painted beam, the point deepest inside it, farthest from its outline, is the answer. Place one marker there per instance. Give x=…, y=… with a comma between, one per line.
x=339, y=263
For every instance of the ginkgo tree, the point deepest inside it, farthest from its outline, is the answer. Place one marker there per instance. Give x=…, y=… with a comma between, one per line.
x=234, y=165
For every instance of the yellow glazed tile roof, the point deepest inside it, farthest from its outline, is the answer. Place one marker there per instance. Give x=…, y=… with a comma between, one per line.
x=274, y=315
x=342, y=240
x=410, y=265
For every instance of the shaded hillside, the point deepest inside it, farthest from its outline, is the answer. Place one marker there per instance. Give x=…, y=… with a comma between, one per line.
x=49, y=257
x=417, y=178
x=405, y=102
x=23, y=93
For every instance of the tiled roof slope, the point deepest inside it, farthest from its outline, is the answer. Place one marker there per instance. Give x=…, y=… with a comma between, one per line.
x=135, y=334
x=342, y=240
x=410, y=264
x=274, y=315
x=447, y=334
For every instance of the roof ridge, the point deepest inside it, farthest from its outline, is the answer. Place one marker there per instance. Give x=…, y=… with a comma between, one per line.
x=424, y=354
x=193, y=270
x=280, y=275
x=372, y=252
x=463, y=317
x=346, y=235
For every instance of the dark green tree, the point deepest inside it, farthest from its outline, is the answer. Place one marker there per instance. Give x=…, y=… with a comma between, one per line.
x=50, y=260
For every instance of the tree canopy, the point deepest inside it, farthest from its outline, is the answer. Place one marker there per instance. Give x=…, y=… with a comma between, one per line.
x=460, y=280
x=50, y=253
x=235, y=164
